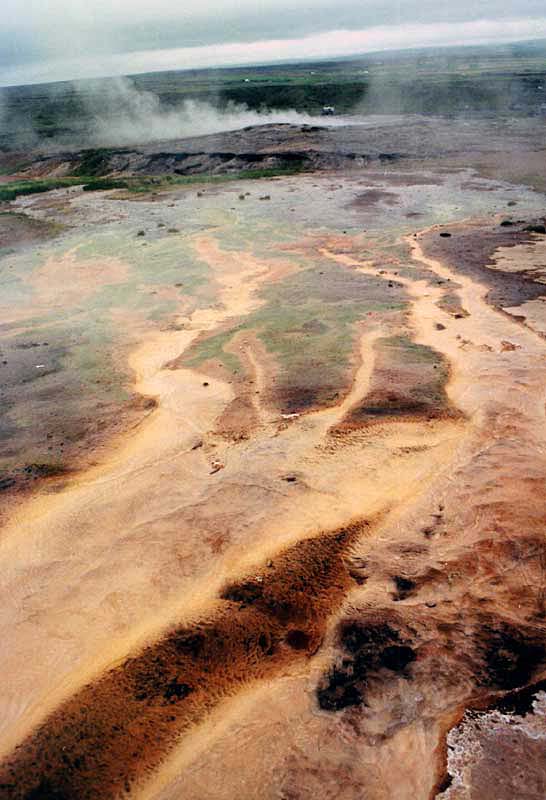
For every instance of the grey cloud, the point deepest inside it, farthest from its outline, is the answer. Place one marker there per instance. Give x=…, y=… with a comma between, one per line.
x=78, y=38
x=37, y=29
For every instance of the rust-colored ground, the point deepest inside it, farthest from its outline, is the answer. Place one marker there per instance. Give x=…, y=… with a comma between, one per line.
x=245, y=598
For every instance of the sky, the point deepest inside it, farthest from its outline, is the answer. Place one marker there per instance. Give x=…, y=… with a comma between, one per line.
x=50, y=40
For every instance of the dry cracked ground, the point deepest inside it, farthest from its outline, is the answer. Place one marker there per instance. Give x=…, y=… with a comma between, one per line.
x=273, y=459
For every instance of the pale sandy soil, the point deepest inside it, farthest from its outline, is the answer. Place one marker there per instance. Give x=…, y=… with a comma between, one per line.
x=147, y=538
x=277, y=725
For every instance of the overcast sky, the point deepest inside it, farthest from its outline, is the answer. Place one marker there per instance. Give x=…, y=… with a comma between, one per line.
x=42, y=40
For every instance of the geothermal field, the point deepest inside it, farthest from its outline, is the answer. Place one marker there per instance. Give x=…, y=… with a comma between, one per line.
x=273, y=453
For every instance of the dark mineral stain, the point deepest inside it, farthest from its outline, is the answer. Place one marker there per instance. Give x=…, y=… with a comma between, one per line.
x=471, y=250
x=404, y=587
x=116, y=730
x=520, y=702
x=339, y=692
x=368, y=649
x=371, y=197
x=408, y=381
x=510, y=656
x=444, y=784
x=44, y=470
x=6, y=483
x=299, y=640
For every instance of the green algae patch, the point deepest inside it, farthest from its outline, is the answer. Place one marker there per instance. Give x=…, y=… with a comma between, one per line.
x=451, y=304
x=63, y=388
x=18, y=229
x=308, y=323
x=212, y=349
x=408, y=381
x=144, y=185
x=165, y=275
x=65, y=380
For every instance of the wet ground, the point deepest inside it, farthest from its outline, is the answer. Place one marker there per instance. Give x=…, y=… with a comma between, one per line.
x=272, y=457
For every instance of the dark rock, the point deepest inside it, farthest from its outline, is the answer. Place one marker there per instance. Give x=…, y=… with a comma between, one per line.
x=511, y=657
x=404, y=587
x=6, y=483
x=370, y=649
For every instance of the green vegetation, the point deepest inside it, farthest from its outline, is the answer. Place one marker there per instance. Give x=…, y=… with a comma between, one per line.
x=405, y=350
x=308, y=322
x=10, y=191
x=94, y=163
x=408, y=379
x=451, y=303
x=139, y=185
x=212, y=349
x=103, y=184
x=16, y=227
x=135, y=185
x=443, y=80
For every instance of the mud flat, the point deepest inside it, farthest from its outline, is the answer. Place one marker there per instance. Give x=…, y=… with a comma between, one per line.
x=320, y=546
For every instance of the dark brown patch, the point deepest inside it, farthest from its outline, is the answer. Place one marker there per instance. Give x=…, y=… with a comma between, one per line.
x=510, y=655
x=368, y=649
x=408, y=381
x=113, y=732
x=444, y=784
x=239, y=419
x=470, y=250
x=404, y=587
x=298, y=640
x=18, y=229
x=63, y=443
x=520, y=702
x=372, y=197
x=450, y=302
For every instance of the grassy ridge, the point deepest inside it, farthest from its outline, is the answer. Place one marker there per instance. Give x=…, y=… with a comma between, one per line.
x=137, y=185
x=10, y=191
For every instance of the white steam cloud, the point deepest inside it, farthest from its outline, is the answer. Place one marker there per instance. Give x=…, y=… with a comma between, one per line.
x=122, y=115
